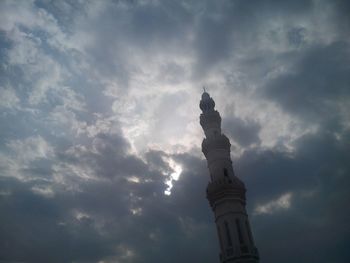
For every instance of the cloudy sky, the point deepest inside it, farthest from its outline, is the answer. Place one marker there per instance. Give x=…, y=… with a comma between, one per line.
x=100, y=157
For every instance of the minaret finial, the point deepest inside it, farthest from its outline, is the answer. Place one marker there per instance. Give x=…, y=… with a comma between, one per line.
x=204, y=89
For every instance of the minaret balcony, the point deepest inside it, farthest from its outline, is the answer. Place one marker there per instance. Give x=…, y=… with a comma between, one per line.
x=225, y=188
x=219, y=141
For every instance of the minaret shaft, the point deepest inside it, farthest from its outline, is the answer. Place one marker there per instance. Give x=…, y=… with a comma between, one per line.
x=225, y=191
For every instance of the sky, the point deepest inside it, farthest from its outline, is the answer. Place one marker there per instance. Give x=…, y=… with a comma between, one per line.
x=100, y=157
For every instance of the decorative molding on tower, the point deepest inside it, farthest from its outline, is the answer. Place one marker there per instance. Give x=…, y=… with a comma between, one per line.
x=225, y=191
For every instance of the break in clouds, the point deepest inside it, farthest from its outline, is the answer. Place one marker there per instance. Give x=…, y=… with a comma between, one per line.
x=100, y=156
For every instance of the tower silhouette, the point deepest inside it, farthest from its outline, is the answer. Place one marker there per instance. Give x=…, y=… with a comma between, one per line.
x=225, y=191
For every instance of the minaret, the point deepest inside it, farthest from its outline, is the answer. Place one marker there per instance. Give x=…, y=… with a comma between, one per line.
x=225, y=192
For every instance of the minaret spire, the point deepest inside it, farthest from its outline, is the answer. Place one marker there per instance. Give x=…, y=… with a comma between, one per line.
x=225, y=191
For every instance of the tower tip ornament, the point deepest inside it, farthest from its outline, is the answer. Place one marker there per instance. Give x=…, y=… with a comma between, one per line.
x=206, y=103
x=225, y=191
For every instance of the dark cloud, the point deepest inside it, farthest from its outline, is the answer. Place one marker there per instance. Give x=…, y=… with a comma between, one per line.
x=34, y=229
x=316, y=85
x=244, y=132
x=296, y=36
x=82, y=83
x=84, y=226
x=317, y=174
x=227, y=28
x=183, y=220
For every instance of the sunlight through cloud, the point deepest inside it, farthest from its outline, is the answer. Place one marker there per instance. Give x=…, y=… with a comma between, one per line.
x=174, y=176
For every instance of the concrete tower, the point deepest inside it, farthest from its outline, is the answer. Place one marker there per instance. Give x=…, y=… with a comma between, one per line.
x=225, y=192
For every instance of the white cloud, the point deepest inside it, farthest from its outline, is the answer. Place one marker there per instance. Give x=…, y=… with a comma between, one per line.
x=19, y=155
x=30, y=149
x=281, y=203
x=43, y=191
x=39, y=69
x=8, y=98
